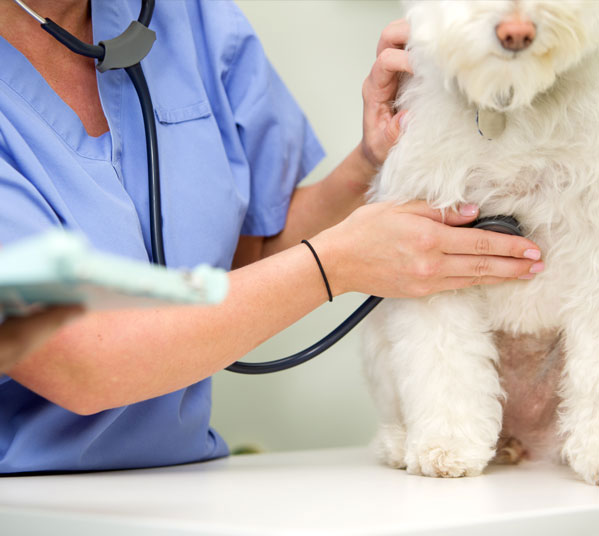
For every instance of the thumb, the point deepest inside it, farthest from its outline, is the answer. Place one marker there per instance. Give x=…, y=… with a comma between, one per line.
x=463, y=215
x=395, y=127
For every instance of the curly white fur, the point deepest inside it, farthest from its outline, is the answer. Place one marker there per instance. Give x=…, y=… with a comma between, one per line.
x=431, y=362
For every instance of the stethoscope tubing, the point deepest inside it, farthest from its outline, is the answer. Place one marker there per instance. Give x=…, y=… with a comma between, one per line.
x=316, y=349
x=138, y=79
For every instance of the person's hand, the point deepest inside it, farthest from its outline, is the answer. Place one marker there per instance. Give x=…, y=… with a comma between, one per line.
x=381, y=125
x=407, y=251
x=21, y=336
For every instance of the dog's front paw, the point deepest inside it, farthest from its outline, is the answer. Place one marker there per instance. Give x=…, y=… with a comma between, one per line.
x=582, y=455
x=389, y=446
x=447, y=458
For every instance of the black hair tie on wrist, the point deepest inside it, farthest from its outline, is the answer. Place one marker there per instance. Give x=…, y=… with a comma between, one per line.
x=324, y=276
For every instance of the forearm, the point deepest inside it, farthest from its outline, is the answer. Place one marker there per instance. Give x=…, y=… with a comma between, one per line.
x=320, y=206
x=112, y=359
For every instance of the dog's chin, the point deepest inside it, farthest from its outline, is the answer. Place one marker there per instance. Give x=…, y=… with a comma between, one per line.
x=501, y=84
x=503, y=94
x=502, y=100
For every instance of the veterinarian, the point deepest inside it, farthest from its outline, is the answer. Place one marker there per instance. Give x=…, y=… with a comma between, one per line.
x=131, y=388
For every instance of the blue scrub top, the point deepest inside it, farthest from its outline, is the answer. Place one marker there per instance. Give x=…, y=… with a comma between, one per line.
x=233, y=146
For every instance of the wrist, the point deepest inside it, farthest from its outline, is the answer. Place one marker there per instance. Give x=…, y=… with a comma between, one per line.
x=366, y=160
x=320, y=268
x=357, y=173
x=329, y=251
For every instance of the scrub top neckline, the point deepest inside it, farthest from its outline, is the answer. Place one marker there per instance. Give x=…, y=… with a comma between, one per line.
x=19, y=74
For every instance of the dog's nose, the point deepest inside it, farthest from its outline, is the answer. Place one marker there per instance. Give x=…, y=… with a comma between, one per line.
x=516, y=34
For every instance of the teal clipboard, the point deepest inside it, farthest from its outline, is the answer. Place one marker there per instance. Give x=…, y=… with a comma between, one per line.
x=59, y=268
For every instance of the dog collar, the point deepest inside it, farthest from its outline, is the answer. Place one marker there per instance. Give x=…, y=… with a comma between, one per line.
x=490, y=124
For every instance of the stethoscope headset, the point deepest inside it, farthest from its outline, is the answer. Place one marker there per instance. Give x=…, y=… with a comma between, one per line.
x=126, y=52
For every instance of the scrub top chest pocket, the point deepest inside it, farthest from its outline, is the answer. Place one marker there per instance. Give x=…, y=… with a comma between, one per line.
x=199, y=110
x=205, y=188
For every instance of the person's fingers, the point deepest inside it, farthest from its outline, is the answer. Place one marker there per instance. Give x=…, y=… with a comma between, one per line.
x=479, y=242
x=486, y=266
x=384, y=71
x=394, y=127
x=395, y=35
x=465, y=213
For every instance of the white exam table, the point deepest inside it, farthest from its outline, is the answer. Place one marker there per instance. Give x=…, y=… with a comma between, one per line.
x=335, y=492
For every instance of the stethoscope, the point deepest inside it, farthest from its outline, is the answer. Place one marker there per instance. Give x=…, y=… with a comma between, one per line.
x=126, y=52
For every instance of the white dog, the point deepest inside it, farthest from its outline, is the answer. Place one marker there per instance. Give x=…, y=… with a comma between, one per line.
x=503, y=111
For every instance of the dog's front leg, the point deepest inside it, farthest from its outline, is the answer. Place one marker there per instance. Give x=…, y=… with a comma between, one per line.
x=579, y=410
x=447, y=382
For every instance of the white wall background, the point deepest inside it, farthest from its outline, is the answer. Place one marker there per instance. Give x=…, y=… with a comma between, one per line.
x=323, y=50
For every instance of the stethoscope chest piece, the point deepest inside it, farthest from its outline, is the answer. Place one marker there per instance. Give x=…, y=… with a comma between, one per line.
x=499, y=224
